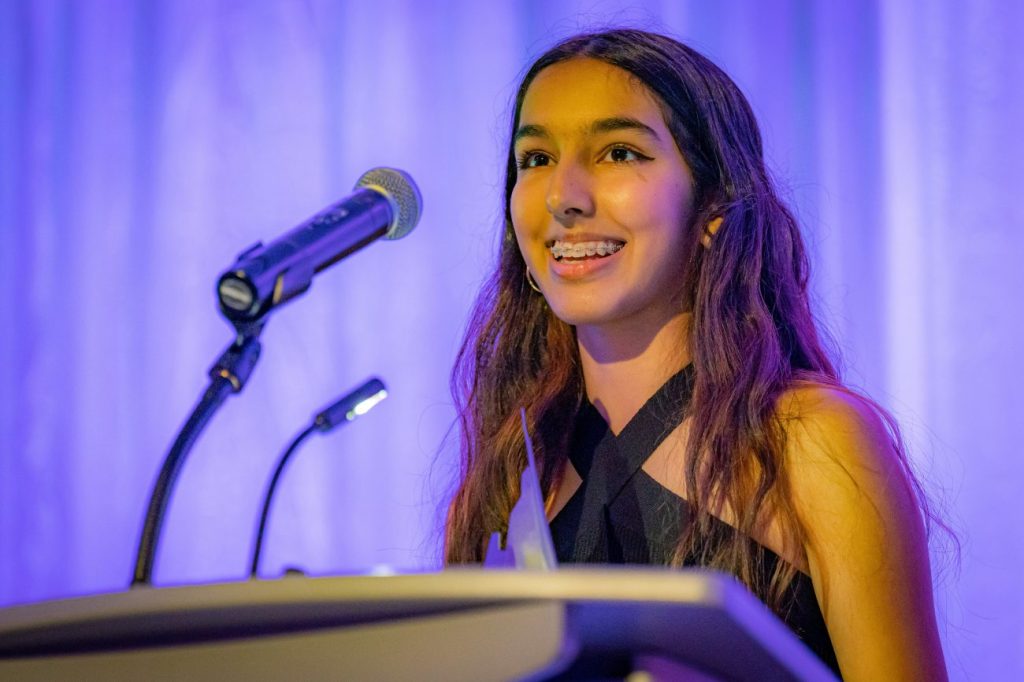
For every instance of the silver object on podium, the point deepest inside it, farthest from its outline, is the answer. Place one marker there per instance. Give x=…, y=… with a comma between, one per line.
x=528, y=542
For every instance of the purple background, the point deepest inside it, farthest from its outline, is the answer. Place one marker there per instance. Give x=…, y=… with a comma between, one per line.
x=142, y=145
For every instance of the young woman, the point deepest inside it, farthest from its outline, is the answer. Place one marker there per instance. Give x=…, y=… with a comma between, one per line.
x=650, y=311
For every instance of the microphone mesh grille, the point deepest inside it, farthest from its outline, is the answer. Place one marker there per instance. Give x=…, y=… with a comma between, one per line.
x=401, y=192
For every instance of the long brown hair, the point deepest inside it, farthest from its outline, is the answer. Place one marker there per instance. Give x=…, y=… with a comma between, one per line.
x=752, y=333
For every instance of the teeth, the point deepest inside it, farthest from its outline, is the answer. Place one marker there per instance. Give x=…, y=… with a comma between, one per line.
x=562, y=249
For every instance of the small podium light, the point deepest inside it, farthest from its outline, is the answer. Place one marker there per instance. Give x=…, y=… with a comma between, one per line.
x=352, y=405
x=355, y=404
x=366, y=405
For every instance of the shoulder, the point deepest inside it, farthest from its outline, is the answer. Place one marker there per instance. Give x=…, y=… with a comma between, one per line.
x=844, y=467
x=834, y=421
x=838, y=443
x=864, y=532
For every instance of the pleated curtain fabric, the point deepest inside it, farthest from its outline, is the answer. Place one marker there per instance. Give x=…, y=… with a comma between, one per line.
x=144, y=145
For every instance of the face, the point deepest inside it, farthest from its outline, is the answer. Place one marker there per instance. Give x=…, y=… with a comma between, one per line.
x=603, y=197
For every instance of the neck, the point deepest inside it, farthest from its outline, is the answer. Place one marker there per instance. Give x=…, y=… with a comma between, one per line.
x=625, y=364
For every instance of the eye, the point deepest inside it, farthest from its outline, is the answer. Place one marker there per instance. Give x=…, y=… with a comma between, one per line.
x=622, y=154
x=532, y=160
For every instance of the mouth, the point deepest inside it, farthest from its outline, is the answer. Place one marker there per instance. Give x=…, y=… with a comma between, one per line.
x=573, y=252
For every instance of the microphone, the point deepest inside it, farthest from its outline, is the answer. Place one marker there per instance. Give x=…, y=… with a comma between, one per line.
x=386, y=204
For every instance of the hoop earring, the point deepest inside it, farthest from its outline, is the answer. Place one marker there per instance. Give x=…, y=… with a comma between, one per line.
x=533, y=285
x=710, y=228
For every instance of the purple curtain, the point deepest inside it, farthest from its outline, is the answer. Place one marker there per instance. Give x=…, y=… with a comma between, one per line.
x=143, y=145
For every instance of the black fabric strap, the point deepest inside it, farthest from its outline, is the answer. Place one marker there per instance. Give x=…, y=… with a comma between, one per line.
x=607, y=466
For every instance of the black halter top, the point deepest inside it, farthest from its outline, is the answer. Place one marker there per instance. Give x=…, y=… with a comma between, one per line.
x=620, y=515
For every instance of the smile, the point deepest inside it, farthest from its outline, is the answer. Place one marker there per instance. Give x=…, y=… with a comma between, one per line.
x=570, y=251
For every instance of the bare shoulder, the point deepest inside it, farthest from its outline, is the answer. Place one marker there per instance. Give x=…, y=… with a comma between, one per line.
x=837, y=443
x=830, y=424
x=847, y=479
x=865, y=539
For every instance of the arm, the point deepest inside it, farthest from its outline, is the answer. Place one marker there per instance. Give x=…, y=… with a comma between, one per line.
x=866, y=544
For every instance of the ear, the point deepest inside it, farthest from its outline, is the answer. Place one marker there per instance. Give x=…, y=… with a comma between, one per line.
x=709, y=231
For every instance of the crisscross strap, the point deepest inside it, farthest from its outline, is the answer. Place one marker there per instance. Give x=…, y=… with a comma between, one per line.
x=606, y=463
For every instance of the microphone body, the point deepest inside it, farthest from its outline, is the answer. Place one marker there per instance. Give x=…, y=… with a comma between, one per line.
x=386, y=204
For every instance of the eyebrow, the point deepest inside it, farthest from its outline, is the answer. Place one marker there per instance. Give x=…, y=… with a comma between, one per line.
x=602, y=125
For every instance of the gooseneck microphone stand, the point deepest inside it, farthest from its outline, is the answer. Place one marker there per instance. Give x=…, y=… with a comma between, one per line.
x=268, y=497
x=348, y=408
x=228, y=375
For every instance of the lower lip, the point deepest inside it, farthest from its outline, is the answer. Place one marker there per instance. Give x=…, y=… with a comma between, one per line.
x=581, y=269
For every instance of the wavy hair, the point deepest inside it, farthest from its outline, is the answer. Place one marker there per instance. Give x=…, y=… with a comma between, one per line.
x=752, y=332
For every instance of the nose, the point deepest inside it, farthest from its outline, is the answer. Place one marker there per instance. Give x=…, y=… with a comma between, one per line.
x=570, y=193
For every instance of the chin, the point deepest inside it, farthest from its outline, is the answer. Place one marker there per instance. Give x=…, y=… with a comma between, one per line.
x=575, y=314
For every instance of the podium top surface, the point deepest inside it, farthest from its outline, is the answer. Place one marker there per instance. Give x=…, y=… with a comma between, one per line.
x=606, y=608
x=470, y=586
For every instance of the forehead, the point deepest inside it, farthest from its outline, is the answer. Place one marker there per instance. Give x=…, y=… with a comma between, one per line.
x=569, y=94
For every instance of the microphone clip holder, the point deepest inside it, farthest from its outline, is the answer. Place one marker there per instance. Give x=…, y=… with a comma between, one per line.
x=237, y=361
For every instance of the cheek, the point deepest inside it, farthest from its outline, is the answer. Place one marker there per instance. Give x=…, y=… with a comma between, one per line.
x=515, y=207
x=654, y=210
x=527, y=218
x=520, y=224
x=659, y=217
x=671, y=208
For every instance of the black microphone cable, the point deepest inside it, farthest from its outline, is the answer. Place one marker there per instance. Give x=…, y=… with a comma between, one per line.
x=348, y=408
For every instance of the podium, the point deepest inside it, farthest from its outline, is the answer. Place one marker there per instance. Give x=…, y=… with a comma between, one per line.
x=459, y=624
